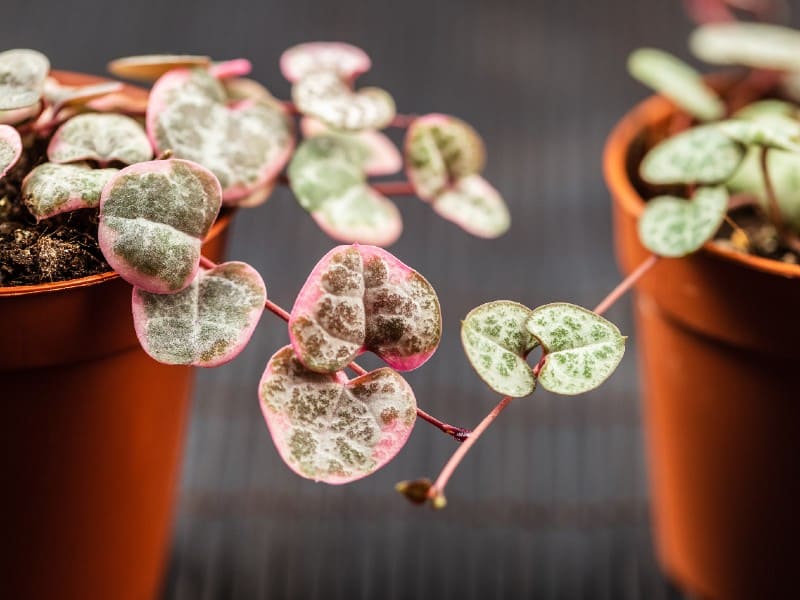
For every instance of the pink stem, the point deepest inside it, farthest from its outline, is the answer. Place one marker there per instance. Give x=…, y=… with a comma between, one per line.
x=394, y=188
x=458, y=433
x=436, y=491
x=626, y=284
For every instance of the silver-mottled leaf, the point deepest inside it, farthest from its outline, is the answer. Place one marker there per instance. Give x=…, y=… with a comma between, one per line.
x=206, y=324
x=475, y=206
x=702, y=155
x=771, y=131
x=153, y=219
x=497, y=342
x=329, y=429
x=673, y=227
x=676, y=80
x=104, y=138
x=150, y=67
x=581, y=349
x=22, y=76
x=360, y=214
x=757, y=45
x=361, y=298
x=346, y=60
x=440, y=149
x=51, y=188
x=10, y=148
x=324, y=95
x=18, y=115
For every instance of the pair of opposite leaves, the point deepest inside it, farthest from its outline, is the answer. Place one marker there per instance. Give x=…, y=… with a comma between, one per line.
x=153, y=217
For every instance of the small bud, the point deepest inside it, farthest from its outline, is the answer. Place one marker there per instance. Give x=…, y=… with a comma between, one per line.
x=439, y=501
x=415, y=491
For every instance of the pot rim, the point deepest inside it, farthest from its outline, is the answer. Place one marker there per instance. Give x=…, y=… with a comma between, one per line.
x=615, y=154
x=223, y=220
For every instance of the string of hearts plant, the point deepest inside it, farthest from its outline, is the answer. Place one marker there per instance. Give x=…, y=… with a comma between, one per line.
x=222, y=139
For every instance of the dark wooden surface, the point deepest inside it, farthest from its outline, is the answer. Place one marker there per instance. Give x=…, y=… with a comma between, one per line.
x=552, y=503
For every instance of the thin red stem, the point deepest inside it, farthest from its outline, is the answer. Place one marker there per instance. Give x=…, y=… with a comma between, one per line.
x=458, y=433
x=626, y=284
x=394, y=188
x=436, y=491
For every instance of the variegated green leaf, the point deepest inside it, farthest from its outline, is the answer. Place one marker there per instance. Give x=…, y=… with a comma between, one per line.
x=581, y=349
x=208, y=323
x=674, y=227
x=150, y=67
x=360, y=214
x=772, y=131
x=676, y=80
x=475, y=206
x=10, y=148
x=440, y=149
x=329, y=429
x=51, y=188
x=324, y=95
x=757, y=45
x=497, y=342
x=22, y=76
x=703, y=155
x=767, y=108
x=105, y=138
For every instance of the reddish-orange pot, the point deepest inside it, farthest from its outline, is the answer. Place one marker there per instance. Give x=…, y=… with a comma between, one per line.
x=719, y=334
x=91, y=433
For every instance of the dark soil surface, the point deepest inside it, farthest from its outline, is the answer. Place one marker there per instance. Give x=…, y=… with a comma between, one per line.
x=62, y=247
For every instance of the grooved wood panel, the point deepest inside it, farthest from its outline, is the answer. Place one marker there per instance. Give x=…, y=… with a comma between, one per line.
x=552, y=503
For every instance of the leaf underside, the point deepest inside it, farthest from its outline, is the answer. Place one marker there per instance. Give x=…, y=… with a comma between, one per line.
x=10, y=148
x=22, y=76
x=757, y=45
x=475, y=206
x=150, y=67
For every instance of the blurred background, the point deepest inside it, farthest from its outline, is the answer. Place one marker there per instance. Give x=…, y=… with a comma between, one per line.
x=552, y=502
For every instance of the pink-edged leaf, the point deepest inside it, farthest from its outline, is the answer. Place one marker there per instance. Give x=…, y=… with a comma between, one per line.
x=150, y=67
x=324, y=95
x=345, y=60
x=51, y=188
x=18, y=115
x=328, y=179
x=238, y=89
x=361, y=298
x=104, y=138
x=475, y=206
x=208, y=323
x=245, y=146
x=59, y=95
x=381, y=155
x=153, y=217
x=22, y=76
x=10, y=148
x=329, y=429
x=238, y=67
x=440, y=149
x=360, y=214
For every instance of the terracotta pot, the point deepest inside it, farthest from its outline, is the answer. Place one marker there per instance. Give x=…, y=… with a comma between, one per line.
x=91, y=433
x=719, y=337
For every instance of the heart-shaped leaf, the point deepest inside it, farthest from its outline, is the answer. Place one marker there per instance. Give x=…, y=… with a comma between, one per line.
x=328, y=179
x=51, y=188
x=496, y=342
x=245, y=146
x=104, y=138
x=59, y=95
x=153, y=218
x=674, y=227
x=773, y=131
x=440, y=149
x=10, y=148
x=207, y=324
x=581, y=349
x=700, y=155
x=345, y=60
x=380, y=155
x=756, y=45
x=150, y=67
x=324, y=95
x=475, y=206
x=22, y=76
x=361, y=298
x=332, y=430
x=784, y=168
x=676, y=80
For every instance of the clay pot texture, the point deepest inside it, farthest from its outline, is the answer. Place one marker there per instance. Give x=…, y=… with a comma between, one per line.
x=92, y=433
x=719, y=338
